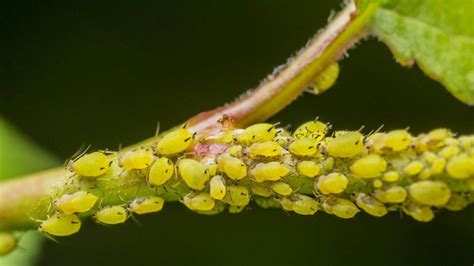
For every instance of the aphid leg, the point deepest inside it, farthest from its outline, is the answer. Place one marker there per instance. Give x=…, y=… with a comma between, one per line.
x=157, y=130
x=135, y=220
x=51, y=238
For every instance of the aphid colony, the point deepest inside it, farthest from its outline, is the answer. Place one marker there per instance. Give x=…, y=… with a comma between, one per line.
x=340, y=173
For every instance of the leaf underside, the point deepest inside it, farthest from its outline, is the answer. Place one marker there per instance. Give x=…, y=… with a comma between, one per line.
x=438, y=35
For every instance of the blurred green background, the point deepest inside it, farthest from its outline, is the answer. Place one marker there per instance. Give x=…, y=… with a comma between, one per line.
x=105, y=72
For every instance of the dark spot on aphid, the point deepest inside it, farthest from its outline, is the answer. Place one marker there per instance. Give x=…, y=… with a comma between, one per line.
x=274, y=150
x=166, y=171
x=119, y=213
x=187, y=139
x=242, y=164
x=253, y=137
x=74, y=222
x=110, y=163
x=311, y=147
x=270, y=129
x=357, y=142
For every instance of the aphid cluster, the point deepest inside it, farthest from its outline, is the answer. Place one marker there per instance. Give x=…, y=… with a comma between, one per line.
x=340, y=173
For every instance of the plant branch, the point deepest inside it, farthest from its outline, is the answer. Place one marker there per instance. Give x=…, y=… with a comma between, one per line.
x=19, y=197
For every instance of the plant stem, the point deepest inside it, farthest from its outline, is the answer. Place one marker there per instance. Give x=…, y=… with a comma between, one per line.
x=18, y=197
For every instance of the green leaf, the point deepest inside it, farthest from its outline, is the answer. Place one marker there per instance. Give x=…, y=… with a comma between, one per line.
x=18, y=156
x=438, y=35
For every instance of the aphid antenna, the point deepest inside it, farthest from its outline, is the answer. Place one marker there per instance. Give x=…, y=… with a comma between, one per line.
x=80, y=152
x=361, y=128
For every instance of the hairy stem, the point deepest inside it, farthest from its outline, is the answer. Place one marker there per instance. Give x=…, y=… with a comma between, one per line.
x=19, y=197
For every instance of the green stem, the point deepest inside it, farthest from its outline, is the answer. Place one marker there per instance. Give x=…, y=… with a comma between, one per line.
x=20, y=196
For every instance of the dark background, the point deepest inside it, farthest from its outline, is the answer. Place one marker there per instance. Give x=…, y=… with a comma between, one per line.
x=105, y=72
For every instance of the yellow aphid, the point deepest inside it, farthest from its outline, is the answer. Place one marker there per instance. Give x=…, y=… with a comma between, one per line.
x=161, y=171
x=199, y=202
x=460, y=167
x=345, y=145
x=193, y=173
x=457, y=202
x=233, y=167
x=226, y=136
x=308, y=168
x=175, y=142
x=437, y=166
x=370, y=166
x=376, y=142
x=304, y=146
x=326, y=79
x=8, y=243
x=429, y=156
x=61, y=225
x=137, y=159
x=328, y=164
x=370, y=205
x=391, y=176
x=449, y=151
x=236, y=209
x=395, y=194
x=397, y=140
x=287, y=204
x=261, y=190
x=340, y=207
x=466, y=142
x=211, y=165
x=332, y=184
x=146, y=205
x=111, y=215
x=81, y=201
x=257, y=133
x=440, y=134
x=377, y=183
x=217, y=187
x=419, y=212
x=283, y=137
x=91, y=165
x=433, y=193
x=425, y=174
x=305, y=205
x=235, y=150
x=264, y=149
x=413, y=168
x=237, y=196
x=271, y=171
x=282, y=188
x=313, y=129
